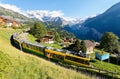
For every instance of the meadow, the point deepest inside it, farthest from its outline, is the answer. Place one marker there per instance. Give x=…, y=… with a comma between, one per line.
x=103, y=65
x=15, y=64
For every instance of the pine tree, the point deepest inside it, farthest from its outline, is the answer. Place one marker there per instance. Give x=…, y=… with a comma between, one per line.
x=83, y=46
x=56, y=36
x=38, y=30
x=77, y=46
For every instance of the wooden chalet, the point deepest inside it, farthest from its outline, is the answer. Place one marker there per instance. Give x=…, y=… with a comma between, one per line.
x=90, y=46
x=48, y=38
x=8, y=22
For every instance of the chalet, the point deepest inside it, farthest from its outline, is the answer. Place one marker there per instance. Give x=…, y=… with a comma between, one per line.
x=67, y=39
x=8, y=22
x=2, y=22
x=48, y=38
x=90, y=46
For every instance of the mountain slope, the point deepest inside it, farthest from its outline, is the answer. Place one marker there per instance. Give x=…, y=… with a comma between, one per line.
x=108, y=21
x=15, y=64
x=14, y=15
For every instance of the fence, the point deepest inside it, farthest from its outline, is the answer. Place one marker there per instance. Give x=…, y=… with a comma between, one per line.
x=93, y=71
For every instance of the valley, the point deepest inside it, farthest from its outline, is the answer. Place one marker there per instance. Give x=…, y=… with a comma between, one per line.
x=60, y=40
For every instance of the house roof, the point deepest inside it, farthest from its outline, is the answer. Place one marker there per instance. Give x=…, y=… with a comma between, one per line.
x=9, y=20
x=48, y=36
x=1, y=17
x=89, y=43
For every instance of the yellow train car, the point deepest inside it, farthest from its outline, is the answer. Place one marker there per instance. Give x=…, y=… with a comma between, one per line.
x=68, y=58
x=54, y=54
x=33, y=47
x=80, y=61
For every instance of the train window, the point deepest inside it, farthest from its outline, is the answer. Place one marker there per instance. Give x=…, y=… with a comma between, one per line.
x=27, y=45
x=67, y=57
x=23, y=44
x=40, y=49
x=75, y=59
x=37, y=48
x=58, y=56
x=33, y=47
x=46, y=53
x=30, y=46
x=87, y=62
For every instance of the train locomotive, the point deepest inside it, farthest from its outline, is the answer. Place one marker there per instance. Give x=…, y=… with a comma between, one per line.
x=49, y=52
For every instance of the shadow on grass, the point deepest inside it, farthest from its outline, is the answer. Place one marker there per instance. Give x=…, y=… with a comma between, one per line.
x=93, y=60
x=91, y=72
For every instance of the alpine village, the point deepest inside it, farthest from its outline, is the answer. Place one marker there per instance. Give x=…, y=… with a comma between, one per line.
x=31, y=48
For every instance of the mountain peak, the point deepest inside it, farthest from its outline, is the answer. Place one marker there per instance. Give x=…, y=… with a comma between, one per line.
x=113, y=8
x=11, y=14
x=52, y=16
x=109, y=21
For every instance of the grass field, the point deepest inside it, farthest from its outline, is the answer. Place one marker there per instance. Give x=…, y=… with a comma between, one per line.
x=100, y=52
x=102, y=64
x=31, y=38
x=15, y=64
x=97, y=63
x=106, y=66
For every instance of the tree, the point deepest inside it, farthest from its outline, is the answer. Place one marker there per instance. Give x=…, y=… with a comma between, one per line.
x=56, y=36
x=83, y=47
x=74, y=47
x=77, y=46
x=109, y=42
x=38, y=30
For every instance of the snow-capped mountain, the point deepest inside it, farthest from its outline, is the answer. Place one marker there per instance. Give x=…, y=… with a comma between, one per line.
x=54, y=16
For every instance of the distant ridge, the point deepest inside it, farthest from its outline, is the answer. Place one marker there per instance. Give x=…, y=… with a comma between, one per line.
x=93, y=28
x=6, y=13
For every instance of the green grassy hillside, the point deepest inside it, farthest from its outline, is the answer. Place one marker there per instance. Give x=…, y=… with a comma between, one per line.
x=15, y=64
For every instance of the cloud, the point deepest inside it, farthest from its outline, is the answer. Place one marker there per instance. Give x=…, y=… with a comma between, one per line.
x=11, y=7
x=45, y=15
x=41, y=13
x=92, y=16
x=36, y=13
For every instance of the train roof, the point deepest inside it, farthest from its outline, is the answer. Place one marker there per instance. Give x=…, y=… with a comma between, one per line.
x=57, y=50
x=35, y=44
x=60, y=50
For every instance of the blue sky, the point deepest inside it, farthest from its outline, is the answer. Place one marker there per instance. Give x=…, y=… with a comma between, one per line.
x=70, y=8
